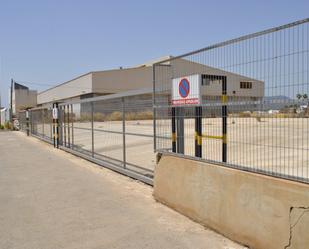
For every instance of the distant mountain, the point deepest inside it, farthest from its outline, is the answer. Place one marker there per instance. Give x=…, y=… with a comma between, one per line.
x=277, y=102
x=279, y=97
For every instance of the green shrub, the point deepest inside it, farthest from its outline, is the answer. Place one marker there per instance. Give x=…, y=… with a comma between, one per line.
x=1, y=127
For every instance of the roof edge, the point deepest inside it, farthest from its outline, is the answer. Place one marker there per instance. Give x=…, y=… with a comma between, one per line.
x=91, y=72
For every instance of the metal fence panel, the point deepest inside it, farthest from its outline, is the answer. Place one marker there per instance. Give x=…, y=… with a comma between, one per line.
x=22, y=121
x=112, y=131
x=40, y=123
x=266, y=99
x=117, y=131
x=253, y=114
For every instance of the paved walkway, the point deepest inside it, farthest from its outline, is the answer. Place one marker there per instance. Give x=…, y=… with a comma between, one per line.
x=51, y=199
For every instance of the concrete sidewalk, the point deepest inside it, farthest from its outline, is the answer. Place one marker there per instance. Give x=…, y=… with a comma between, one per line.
x=51, y=199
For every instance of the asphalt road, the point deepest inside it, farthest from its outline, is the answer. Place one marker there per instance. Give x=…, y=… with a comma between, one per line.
x=51, y=199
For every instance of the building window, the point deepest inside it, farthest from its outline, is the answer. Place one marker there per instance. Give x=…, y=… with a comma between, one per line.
x=205, y=80
x=246, y=85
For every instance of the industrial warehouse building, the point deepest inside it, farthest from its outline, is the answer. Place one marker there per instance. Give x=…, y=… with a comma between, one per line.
x=99, y=83
x=21, y=98
x=141, y=77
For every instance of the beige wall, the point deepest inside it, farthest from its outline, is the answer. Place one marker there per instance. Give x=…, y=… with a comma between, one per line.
x=23, y=98
x=121, y=80
x=184, y=67
x=233, y=84
x=104, y=82
x=79, y=86
x=260, y=211
x=115, y=81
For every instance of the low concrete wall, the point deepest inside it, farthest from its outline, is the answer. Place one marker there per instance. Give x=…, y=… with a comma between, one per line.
x=255, y=210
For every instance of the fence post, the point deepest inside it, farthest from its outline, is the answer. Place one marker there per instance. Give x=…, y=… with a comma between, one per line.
x=153, y=106
x=92, y=131
x=27, y=122
x=180, y=130
x=69, y=135
x=31, y=122
x=224, y=120
x=51, y=126
x=63, y=125
x=198, y=131
x=173, y=130
x=72, y=118
x=57, y=125
x=54, y=126
x=43, y=123
x=124, y=132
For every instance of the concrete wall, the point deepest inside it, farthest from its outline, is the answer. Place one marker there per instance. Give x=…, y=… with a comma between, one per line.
x=23, y=98
x=259, y=211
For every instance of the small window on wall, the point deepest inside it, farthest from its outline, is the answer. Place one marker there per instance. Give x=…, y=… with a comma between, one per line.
x=245, y=85
x=205, y=80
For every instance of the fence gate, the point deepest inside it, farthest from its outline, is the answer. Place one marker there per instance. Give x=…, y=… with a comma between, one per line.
x=38, y=122
x=115, y=131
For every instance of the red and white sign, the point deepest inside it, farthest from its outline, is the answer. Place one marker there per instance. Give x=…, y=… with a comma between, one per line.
x=186, y=90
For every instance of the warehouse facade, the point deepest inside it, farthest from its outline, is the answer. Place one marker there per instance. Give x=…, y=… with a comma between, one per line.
x=99, y=83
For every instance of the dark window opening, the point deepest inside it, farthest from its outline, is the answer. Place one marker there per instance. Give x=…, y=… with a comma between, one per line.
x=205, y=80
x=246, y=85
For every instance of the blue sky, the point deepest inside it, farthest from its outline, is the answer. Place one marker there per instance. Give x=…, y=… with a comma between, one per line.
x=48, y=42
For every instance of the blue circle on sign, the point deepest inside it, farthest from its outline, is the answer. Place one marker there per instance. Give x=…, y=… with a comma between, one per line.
x=184, y=88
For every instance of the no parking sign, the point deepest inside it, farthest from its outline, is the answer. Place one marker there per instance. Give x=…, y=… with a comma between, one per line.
x=186, y=90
